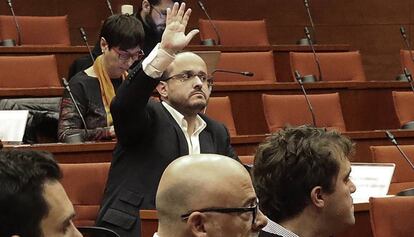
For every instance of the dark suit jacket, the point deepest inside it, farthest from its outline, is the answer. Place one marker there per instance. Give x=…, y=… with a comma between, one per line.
x=148, y=140
x=267, y=234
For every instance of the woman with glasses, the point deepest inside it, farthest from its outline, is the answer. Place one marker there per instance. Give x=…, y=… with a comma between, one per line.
x=121, y=39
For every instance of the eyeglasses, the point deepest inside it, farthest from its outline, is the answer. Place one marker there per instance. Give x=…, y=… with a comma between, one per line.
x=188, y=75
x=253, y=209
x=125, y=56
x=162, y=13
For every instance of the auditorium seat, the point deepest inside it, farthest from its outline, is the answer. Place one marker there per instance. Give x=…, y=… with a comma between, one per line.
x=392, y=216
x=403, y=177
x=283, y=110
x=247, y=160
x=28, y=72
x=403, y=104
x=338, y=66
x=259, y=63
x=37, y=30
x=85, y=183
x=219, y=108
x=235, y=33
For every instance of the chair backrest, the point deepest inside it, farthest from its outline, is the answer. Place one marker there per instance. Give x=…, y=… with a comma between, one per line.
x=219, y=108
x=260, y=63
x=85, y=183
x=247, y=159
x=239, y=33
x=282, y=110
x=406, y=61
x=29, y=72
x=403, y=104
x=37, y=30
x=392, y=216
x=403, y=177
x=338, y=66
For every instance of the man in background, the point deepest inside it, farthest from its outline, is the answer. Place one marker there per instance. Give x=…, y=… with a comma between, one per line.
x=33, y=203
x=207, y=195
x=301, y=176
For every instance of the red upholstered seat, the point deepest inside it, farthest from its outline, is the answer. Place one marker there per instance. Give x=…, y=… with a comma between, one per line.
x=403, y=104
x=219, y=108
x=37, y=30
x=85, y=183
x=338, y=66
x=392, y=216
x=240, y=33
x=283, y=110
x=403, y=177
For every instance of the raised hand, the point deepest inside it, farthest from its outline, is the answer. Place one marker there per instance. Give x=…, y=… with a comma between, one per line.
x=174, y=38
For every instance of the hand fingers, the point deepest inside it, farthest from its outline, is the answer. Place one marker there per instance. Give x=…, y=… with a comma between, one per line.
x=191, y=34
x=171, y=13
x=180, y=12
x=186, y=17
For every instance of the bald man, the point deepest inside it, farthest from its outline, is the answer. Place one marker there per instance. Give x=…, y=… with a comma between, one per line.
x=151, y=134
x=207, y=195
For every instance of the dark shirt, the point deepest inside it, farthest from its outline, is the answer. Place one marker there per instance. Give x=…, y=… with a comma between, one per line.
x=86, y=91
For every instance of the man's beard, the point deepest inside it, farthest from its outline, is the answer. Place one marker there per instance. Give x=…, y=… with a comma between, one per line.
x=157, y=30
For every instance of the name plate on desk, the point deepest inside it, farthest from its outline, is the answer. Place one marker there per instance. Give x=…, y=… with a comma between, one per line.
x=12, y=125
x=371, y=180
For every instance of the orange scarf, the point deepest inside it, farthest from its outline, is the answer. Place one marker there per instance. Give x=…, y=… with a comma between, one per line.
x=107, y=89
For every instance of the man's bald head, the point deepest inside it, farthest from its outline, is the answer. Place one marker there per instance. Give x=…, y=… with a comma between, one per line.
x=195, y=181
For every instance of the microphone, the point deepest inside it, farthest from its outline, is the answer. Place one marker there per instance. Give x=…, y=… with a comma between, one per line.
x=306, y=41
x=246, y=74
x=410, y=191
x=75, y=138
x=403, y=77
x=299, y=79
x=209, y=41
x=315, y=56
x=108, y=3
x=16, y=23
x=85, y=40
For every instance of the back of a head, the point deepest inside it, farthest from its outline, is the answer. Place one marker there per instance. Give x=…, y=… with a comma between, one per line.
x=192, y=180
x=22, y=176
x=288, y=164
x=123, y=31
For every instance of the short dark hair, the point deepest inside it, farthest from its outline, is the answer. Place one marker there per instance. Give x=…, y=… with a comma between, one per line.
x=291, y=162
x=123, y=31
x=22, y=178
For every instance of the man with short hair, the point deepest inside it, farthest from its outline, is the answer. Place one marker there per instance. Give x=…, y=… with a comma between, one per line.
x=33, y=203
x=152, y=15
x=151, y=134
x=207, y=195
x=301, y=176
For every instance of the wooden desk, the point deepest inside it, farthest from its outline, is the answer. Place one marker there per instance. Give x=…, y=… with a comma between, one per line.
x=365, y=105
x=244, y=145
x=65, y=55
x=362, y=227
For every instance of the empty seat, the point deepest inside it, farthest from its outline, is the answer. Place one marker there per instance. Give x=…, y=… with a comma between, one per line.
x=403, y=104
x=28, y=72
x=283, y=110
x=240, y=33
x=403, y=177
x=338, y=66
x=392, y=216
x=37, y=30
x=259, y=63
x=85, y=184
x=219, y=108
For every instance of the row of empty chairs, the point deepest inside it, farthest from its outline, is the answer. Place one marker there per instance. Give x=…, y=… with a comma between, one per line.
x=283, y=110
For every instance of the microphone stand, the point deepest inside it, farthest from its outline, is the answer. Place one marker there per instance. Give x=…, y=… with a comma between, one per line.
x=299, y=80
x=85, y=40
x=409, y=77
x=247, y=74
x=311, y=78
x=410, y=191
x=16, y=23
x=75, y=138
x=108, y=2
x=403, y=77
x=210, y=41
x=305, y=40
